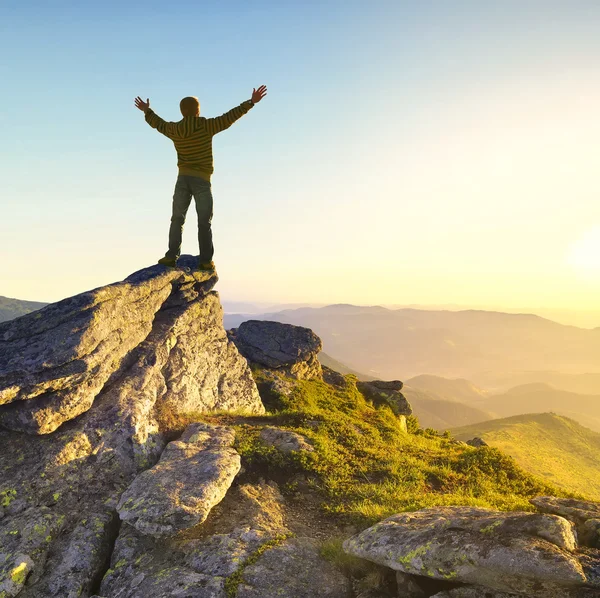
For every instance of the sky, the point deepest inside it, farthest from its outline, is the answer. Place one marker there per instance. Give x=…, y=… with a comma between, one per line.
x=407, y=152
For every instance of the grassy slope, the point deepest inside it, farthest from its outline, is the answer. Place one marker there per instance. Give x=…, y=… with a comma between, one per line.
x=365, y=467
x=550, y=446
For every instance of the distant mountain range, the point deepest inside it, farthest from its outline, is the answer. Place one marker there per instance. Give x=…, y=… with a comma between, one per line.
x=481, y=346
x=338, y=366
x=13, y=308
x=457, y=389
x=440, y=414
x=535, y=398
x=479, y=365
x=469, y=404
x=548, y=445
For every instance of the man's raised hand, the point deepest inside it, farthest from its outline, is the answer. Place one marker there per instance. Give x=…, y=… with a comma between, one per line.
x=259, y=94
x=143, y=106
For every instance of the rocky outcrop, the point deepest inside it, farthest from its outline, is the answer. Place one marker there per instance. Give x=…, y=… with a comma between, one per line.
x=192, y=476
x=585, y=515
x=477, y=442
x=244, y=549
x=291, y=349
x=204, y=562
x=334, y=378
x=97, y=382
x=525, y=554
x=55, y=362
x=386, y=393
x=294, y=568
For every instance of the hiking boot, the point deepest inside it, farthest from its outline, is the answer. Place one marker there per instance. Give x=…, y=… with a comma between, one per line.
x=170, y=262
x=206, y=266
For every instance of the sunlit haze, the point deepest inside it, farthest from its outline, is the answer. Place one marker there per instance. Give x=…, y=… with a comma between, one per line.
x=407, y=152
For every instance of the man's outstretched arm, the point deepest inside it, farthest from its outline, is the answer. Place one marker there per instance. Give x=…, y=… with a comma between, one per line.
x=220, y=123
x=169, y=129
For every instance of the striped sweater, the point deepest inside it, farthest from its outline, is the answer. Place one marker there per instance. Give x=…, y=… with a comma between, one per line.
x=192, y=137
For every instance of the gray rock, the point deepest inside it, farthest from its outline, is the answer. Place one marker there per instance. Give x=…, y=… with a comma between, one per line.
x=82, y=558
x=59, y=491
x=56, y=361
x=334, y=378
x=584, y=514
x=386, y=393
x=285, y=440
x=192, y=476
x=394, y=385
x=477, y=442
x=280, y=346
x=296, y=569
x=519, y=553
x=248, y=518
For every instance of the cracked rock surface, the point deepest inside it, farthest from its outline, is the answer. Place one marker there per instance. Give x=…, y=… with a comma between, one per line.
x=520, y=553
x=192, y=476
x=85, y=387
x=56, y=361
x=285, y=347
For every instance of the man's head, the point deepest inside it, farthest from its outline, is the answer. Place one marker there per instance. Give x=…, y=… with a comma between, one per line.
x=190, y=106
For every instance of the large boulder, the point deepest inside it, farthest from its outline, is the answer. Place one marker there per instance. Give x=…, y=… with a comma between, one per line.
x=584, y=514
x=292, y=349
x=192, y=476
x=519, y=553
x=55, y=362
x=62, y=480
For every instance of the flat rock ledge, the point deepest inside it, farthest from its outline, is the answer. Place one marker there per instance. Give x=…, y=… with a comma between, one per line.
x=292, y=349
x=517, y=553
x=192, y=476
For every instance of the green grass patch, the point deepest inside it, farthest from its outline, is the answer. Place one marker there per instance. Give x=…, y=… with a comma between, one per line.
x=366, y=467
x=548, y=445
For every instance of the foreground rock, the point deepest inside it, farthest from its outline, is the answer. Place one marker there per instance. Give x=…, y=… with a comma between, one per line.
x=585, y=515
x=293, y=569
x=56, y=361
x=192, y=476
x=243, y=549
x=292, y=349
x=59, y=491
x=518, y=553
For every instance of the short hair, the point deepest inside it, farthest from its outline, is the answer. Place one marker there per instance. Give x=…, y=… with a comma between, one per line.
x=190, y=106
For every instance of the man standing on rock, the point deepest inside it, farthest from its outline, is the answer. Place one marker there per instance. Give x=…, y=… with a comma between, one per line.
x=192, y=136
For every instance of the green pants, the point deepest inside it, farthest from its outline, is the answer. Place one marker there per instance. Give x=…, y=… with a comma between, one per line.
x=200, y=189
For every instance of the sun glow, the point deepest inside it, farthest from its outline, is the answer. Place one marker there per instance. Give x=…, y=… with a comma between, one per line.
x=584, y=254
